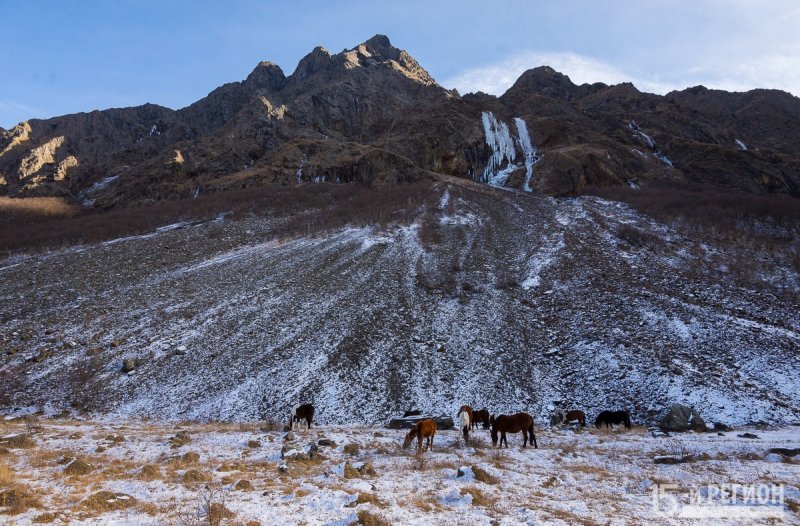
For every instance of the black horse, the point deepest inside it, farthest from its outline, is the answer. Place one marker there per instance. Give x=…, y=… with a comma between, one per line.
x=609, y=418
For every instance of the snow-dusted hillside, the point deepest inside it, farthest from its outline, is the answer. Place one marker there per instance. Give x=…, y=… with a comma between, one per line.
x=494, y=299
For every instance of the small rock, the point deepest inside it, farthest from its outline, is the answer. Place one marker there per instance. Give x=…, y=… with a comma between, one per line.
x=773, y=457
x=750, y=436
x=283, y=468
x=666, y=459
x=326, y=442
x=289, y=436
x=128, y=365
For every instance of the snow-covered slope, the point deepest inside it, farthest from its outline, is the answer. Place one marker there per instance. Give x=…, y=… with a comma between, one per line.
x=489, y=298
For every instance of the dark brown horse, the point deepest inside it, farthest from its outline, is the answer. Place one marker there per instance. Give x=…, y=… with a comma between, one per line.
x=574, y=415
x=422, y=429
x=609, y=418
x=301, y=412
x=513, y=424
x=481, y=416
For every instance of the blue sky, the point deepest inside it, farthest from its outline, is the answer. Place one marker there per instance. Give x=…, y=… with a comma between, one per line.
x=63, y=57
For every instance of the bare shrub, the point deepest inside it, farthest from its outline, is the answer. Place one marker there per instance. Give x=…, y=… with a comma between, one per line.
x=209, y=509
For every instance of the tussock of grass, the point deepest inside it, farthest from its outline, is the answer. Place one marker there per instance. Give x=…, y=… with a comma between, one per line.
x=21, y=441
x=478, y=497
x=149, y=472
x=104, y=501
x=194, y=476
x=366, y=518
x=369, y=498
x=18, y=498
x=481, y=475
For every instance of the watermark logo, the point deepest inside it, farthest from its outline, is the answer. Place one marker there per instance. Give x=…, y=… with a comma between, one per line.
x=719, y=501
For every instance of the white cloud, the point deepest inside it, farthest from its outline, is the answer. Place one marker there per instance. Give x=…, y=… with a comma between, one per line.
x=778, y=71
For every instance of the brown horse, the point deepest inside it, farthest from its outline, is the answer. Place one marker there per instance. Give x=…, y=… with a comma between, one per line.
x=480, y=416
x=574, y=415
x=422, y=429
x=302, y=412
x=513, y=424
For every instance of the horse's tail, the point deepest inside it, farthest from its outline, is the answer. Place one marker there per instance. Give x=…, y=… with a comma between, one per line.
x=533, y=435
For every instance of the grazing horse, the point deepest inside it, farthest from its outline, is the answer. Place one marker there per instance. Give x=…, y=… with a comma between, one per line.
x=465, y=409
x=480, y=416
x=412, y=412
x=609, y=418
x=422, y=429
x=463, y=425
x=301, y=412
x=513, y=424
x=574, y=415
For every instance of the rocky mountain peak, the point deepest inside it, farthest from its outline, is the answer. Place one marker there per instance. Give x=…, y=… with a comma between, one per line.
x=315, y=61
x=545, y=81
x=376, y=51
x=266, y=75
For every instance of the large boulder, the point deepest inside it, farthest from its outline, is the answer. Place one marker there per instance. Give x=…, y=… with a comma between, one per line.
x=681, y=418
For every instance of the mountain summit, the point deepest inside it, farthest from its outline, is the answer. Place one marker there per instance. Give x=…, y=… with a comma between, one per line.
x=372, y=114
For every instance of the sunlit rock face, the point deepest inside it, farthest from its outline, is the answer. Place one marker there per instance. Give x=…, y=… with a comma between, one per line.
x=372, y=114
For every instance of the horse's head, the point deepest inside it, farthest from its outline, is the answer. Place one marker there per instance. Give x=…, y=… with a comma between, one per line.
x=410, y=437
x=598, y=421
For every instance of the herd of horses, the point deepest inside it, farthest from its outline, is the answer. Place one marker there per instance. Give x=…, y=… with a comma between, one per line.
x=468, y=419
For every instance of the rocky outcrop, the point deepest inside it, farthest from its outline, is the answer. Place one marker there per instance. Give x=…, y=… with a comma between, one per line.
x=681, y=418
x=373, y=115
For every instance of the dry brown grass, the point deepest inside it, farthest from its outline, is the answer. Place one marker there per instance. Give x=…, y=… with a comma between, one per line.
x=352, y=449
x=478, y=497
x=15, y=210
x=18, y=498
x=104, y=501
x=569, y=518
x=45, y=518
x=369, y=498
x=194, y=476
x=315, y=209
x=7, y=475
x=20, y=441
x=590, y=469
x=481, y=475
x=149, y=472
x=367, y=518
